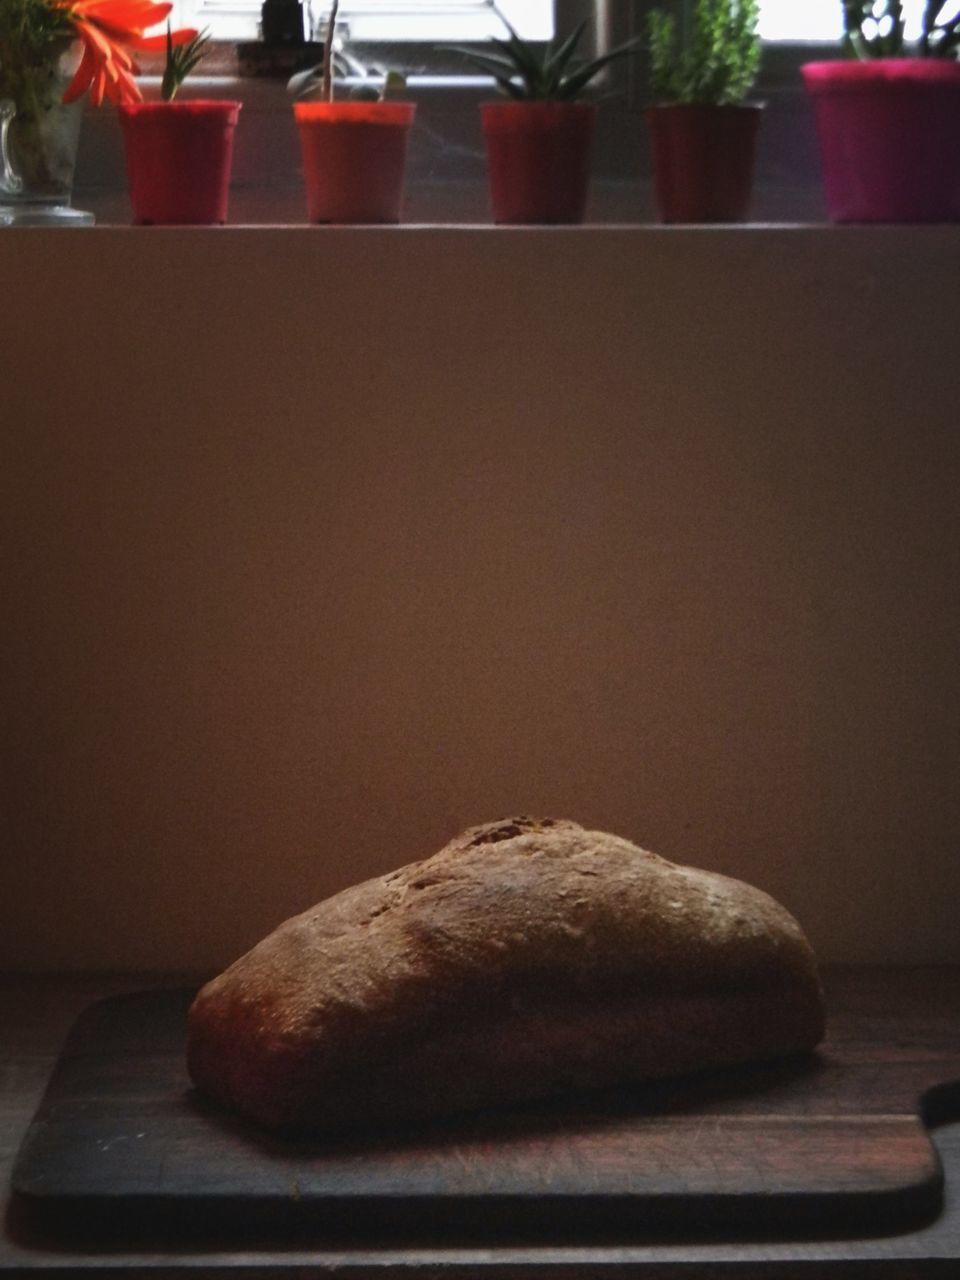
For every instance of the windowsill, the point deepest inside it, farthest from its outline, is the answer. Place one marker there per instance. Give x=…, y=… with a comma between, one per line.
x=763, y=235
x=451, y=205
x=446, y=173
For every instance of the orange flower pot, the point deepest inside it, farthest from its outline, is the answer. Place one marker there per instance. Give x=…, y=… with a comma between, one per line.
x=354, y=158
x=703, y=160
x=179, y=158
x=538, y=157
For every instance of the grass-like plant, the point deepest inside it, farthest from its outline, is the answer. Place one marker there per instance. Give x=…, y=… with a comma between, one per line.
x=525, y=72
x=715, y=64
x=181, y=60
x=875, y=29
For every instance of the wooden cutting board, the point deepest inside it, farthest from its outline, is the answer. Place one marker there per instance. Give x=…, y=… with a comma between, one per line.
x=829, y=1143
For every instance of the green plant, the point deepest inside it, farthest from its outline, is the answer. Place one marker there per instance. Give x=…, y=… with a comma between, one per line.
x=317, y=82
x=525, y=72
x=32, y=38
x=181, y=60
x=718, y=61
x=875, y=29
x=28, y=30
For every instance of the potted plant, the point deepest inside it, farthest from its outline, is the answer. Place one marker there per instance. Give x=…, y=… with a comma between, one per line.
x=888, y=117
x=53, y=53
x=703, y=131
x=355, y=150
x=539, y=137
x=179, y=153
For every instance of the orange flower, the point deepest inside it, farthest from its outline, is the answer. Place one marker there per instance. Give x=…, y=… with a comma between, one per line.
x=109, y=30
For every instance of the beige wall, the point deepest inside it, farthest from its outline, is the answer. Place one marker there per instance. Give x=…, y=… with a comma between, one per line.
x=321, y=545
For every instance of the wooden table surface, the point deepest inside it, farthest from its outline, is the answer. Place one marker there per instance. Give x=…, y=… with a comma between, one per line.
x=914, y=1011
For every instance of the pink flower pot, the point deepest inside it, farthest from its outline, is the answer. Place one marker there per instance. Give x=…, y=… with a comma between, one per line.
x=354, y=158
x=179, y=158
x=889, y=134
x=703, y=160
x=538, y=156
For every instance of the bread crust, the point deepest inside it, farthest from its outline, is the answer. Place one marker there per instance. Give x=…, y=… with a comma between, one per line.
x=528, y=958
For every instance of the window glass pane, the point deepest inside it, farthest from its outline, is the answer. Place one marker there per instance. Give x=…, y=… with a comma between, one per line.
x=381, y=20
x=435, y=20
x=819, y=19
x=812, y=20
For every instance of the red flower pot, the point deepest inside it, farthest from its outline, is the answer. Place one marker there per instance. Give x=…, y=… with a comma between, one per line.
x=179, y=157
x=354, y=158
x=703, y=159
x=889, y=134
x=538, y=156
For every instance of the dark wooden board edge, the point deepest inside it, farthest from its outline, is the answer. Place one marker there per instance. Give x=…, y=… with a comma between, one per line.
x=400, y=1220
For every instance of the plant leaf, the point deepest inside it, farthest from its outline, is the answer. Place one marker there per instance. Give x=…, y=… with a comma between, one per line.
x=494, y=62
x=523, y=59
x=556, y=62
x=574, y=84
x=180, y=61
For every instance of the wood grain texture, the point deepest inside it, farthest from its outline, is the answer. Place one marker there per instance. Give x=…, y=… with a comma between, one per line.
x=824, y=1143
x=909, y=1016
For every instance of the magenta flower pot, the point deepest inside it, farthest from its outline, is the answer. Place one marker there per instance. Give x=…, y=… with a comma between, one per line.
x=889, y=134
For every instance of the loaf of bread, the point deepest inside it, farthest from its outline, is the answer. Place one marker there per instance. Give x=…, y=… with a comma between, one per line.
x=527, y=959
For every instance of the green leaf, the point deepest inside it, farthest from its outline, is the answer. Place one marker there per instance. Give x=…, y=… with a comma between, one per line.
x=180, y=61
x=491, y=62
x=523, y=72
x=716, y=63
x=523, y=59
x=499, y=69
x=556, y=63
x=574, y=84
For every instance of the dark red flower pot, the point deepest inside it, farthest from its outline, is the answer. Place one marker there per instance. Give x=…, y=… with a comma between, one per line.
x=703, y=159
x=354, y=158
x=889, y=134
x=538, y=156
x=179, y=158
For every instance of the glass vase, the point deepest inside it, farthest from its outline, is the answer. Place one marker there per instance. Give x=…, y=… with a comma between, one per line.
x=38, y=140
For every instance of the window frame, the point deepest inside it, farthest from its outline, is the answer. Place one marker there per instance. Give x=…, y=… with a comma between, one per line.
x=444, y=86
x=420, y=53
x=624, y=85
x=610, y=23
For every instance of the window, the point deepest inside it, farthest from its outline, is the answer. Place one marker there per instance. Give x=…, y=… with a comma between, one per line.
x=382, y=21
x=810, y=21
x=818, y=20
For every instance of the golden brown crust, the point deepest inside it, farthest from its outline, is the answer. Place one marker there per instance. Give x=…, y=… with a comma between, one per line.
x=526, y=958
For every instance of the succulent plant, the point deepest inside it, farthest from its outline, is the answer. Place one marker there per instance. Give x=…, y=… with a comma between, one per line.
x=875, y=29
x=525, y=72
